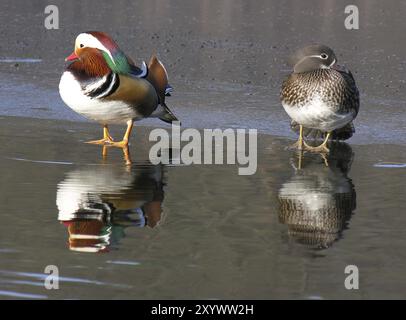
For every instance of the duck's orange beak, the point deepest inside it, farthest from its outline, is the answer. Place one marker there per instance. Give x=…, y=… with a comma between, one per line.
x=72, y=57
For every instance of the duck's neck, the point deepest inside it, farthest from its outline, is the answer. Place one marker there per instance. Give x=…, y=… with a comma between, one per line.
x=93, y=65
x=119, y=64
x=98, y=64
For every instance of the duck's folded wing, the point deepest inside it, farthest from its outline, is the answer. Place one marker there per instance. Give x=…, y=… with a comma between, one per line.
x=135, y=71
x=139, y=72
x=155, y=73
x=137, y=93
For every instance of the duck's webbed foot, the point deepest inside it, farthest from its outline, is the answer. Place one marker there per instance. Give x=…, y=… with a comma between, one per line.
x=321, y=148
x=103, y=141
x=124, y=143
x=107, y=139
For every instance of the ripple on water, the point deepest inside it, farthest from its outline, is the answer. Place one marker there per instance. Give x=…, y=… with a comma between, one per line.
x=42, y=161
x=15, y=294
x=20, y=60
x=390, y=165
x=42, y=277
x=121, y=262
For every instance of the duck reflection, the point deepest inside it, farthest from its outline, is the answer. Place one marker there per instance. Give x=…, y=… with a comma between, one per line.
x=318, y=200
x=97, y=202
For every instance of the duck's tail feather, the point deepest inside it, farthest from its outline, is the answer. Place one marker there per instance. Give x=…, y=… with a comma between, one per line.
x=343, y=133
x=164, y=113
x=168, y=116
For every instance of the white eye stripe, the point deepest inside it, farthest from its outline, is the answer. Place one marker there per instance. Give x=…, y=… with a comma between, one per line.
x=311, y=56
x=88, y=40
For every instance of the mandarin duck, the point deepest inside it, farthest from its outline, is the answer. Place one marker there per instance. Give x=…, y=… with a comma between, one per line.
x=103, y=84
x=320, y=97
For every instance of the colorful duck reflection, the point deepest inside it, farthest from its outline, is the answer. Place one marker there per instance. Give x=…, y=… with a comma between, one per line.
x=98, y=202
x=317, y=202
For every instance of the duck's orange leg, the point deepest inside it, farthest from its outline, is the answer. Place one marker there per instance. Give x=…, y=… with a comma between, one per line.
x=126, y=154
x=107, y=139
x=124, y=143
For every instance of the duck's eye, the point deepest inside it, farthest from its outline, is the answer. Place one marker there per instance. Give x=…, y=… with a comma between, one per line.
x=81, y=45
x=324, y=56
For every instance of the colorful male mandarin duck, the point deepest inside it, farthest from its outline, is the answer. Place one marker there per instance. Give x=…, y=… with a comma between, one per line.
x=320, y=96
x=104, y=85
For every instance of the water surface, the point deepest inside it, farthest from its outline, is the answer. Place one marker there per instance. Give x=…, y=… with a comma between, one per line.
x=143, y=231
x=226, y=59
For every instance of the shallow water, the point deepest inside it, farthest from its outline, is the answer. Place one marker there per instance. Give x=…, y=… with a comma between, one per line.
x=226, y=59
x=202, y=231
x=141, y=231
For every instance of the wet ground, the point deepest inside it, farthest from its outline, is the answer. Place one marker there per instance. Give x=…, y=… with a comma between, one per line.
x=202, y=231
x=225, y=59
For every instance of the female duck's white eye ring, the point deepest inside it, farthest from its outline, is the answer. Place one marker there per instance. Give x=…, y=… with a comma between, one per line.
x=324, y=56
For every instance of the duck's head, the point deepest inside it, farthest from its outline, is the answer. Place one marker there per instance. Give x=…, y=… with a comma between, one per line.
x=314, y=57
x=93, y=44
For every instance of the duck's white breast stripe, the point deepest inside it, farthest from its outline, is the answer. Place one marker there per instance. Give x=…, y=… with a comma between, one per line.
x=111, y=88
x=103, y=87
x=95, y=85
x=101, y=110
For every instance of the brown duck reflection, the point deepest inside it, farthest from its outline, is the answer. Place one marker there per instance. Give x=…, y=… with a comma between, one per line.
x=97, y=202
x=319, y=199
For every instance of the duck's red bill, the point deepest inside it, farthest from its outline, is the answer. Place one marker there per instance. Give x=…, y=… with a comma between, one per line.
x=72, y=57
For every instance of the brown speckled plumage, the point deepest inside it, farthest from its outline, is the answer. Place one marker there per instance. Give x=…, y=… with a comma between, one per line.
x=316, y=205
x=320, y=227
x=337, y=89
x=334, y=87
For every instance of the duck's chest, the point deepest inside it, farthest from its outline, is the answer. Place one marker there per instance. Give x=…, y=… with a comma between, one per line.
x=318, y=99
x=319, y=87
x=88, y=98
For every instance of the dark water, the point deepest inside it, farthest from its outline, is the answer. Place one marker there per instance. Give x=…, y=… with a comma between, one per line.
x=145, y=231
